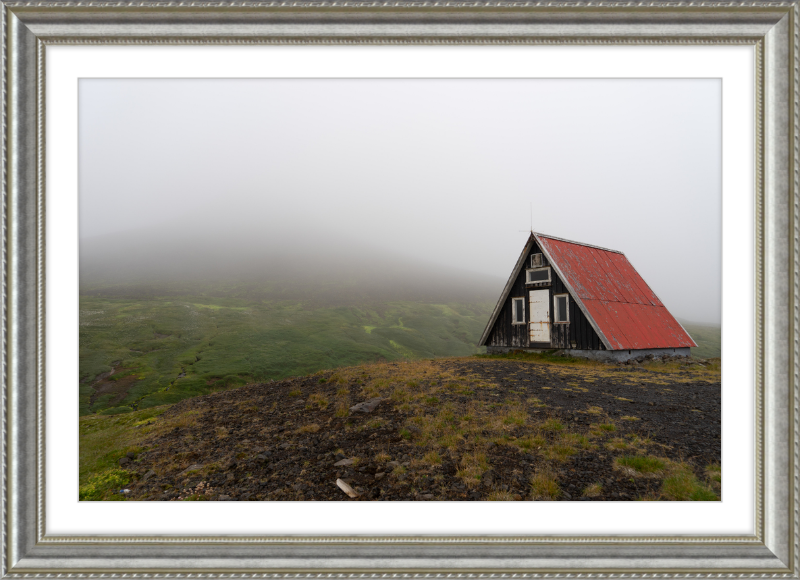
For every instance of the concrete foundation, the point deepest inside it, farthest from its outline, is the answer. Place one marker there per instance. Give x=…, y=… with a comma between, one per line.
x=603, y=355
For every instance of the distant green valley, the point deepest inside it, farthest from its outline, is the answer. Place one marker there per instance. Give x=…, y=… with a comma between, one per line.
x=165, y=350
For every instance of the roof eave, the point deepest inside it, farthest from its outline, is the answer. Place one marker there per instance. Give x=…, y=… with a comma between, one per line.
x=662, y=304
x=506, y=291
x=541, y=235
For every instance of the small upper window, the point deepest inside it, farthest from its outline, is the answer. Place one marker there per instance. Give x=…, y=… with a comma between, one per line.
x=562, y=307
x=518, y=310
x=537, y=261
x=537, y=275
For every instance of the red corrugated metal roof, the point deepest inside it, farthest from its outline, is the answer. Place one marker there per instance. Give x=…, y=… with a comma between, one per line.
x=614, y=295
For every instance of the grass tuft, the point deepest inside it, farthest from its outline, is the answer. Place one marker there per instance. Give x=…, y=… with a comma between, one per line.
x=683, y=485
x=318, y=399
x=433, y=458
x=544, y=486
x=593, y=490
x=553, y=425
x=500, y=496
x=473, y=466
x=642, y=464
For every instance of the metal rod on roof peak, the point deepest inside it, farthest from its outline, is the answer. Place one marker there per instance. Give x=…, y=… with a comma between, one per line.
x=531, y=231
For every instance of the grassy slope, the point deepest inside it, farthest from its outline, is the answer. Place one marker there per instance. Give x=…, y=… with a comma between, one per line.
x=707, y=337
x=222, y=342
x=104, y=439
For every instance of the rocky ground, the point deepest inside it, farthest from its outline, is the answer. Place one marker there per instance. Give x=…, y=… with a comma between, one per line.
x=450, y=429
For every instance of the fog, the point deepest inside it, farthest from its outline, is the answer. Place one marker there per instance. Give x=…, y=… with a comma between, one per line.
x=427, y=185
x=268, y=265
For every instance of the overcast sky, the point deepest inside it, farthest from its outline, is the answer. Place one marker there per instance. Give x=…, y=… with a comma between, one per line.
x=441, y=170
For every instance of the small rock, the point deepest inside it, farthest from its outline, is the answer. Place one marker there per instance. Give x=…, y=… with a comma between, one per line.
x=195, y=467
x=346, y=488
x=366, y=406
x=427, y=496
x=379, y=476
x=224, y=498
x=124, y=460
x=285, y=445
x=148, y=475
x=393, y=464
x=344, y=463
x=131, y=455
x=260, y=457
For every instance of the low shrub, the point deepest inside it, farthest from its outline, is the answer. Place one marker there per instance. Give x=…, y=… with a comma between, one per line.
x=101, y=486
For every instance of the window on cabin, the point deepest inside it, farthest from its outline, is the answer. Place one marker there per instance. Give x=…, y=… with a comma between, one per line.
x=537, y=275
x=562, y=307
x=518, y=310
x=537, y=261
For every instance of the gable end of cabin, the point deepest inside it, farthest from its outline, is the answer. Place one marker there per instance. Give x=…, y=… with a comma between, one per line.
x=539, y=312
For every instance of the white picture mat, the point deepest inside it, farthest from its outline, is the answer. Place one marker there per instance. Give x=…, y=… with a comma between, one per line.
x=66, y=516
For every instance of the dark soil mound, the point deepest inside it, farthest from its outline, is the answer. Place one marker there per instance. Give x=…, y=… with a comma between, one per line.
x=451, y=429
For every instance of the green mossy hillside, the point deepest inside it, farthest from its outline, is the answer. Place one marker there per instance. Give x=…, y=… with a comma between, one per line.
x=164, y=350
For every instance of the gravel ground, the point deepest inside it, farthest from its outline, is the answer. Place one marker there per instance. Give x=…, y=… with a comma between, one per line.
x=283, y=440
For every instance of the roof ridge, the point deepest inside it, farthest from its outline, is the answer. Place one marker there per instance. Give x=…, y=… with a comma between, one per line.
x=578, y=243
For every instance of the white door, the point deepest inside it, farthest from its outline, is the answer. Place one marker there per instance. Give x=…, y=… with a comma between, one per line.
x=540, y=315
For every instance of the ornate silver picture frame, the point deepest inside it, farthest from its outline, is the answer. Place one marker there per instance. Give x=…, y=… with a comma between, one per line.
x=771, y=28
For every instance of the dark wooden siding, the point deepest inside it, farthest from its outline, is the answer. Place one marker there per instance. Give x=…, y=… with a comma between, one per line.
x=577, y=332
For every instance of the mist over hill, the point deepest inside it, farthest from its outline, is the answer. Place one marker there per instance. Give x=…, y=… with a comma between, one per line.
x=258, y=264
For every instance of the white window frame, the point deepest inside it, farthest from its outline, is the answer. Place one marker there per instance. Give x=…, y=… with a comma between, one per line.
x=541, y=261
x=514, y=301
x=528, y=280
x=555, y=309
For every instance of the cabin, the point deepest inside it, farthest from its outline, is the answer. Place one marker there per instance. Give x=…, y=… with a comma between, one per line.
x=587, y=300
